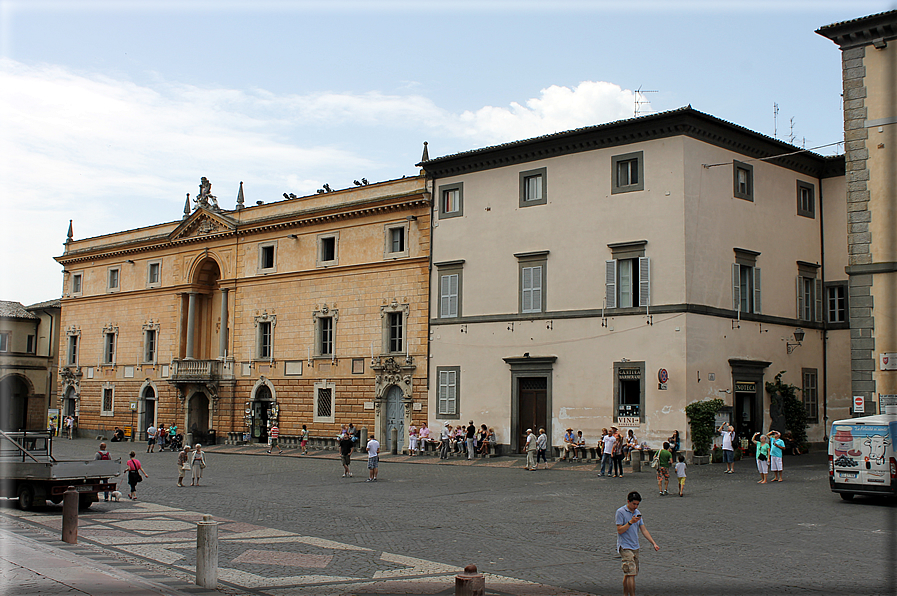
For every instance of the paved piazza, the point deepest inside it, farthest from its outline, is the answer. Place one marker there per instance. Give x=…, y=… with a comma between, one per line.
x=292, y=525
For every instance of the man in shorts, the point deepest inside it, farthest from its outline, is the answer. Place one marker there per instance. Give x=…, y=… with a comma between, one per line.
x=345, y=453
x=373, y=459
x=728, y=433
x=151, y=439
x=274, y=438
x=628, y=518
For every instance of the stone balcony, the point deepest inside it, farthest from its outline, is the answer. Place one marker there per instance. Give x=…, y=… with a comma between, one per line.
x=201, y=371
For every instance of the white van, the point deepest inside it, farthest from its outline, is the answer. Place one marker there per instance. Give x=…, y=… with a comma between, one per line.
x=862, y=458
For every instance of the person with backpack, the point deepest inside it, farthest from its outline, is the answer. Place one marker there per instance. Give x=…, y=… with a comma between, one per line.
x=103, y=454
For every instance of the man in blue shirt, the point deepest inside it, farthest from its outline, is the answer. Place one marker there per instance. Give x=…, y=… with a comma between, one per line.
x=776, y=444
x=628, y=518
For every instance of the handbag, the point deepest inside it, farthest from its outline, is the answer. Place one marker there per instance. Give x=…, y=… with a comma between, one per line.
x=656, y=460
x=761, y=457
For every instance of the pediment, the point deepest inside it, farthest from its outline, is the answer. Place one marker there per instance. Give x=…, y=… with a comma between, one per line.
x=203, y=222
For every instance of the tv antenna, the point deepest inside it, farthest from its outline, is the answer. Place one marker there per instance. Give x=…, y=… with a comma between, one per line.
x=641, y=100
x=775, y=120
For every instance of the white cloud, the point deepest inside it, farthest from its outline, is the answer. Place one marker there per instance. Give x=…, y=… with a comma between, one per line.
x=115, y=155
x=557, y=109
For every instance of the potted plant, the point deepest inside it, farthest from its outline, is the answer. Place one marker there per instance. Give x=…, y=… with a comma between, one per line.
x=702, y=421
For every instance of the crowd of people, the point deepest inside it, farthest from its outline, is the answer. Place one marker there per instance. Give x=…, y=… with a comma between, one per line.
x=467, y=440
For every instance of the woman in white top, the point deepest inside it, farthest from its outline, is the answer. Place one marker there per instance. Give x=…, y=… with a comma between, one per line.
x=197, y=462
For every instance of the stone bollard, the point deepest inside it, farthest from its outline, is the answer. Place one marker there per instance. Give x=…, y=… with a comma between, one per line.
x=636, y=457
x=394, y=438
x=207, y=553
x=70, y=515
x=470, y=583
x=362, y=439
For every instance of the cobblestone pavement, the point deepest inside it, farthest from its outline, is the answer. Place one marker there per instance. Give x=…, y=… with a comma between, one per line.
x=292, y=524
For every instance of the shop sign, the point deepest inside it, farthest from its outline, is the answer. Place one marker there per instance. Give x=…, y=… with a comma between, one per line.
x=887, y=404
x=628, y=420
x=744, y=387
x=629, y=374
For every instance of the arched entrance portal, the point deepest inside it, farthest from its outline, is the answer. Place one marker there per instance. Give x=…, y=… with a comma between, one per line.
x=198, y=415
x=13, y=404
x=68, y=404
x=149, y=408
x=395, y=418
x=260, y=406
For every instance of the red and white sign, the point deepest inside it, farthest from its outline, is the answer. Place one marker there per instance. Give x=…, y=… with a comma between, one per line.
x=887, y=361
x=859, y=404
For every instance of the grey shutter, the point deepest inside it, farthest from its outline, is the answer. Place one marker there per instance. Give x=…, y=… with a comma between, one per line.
x=644, y=281
x=526, y=290
x=800, y=298
x=537, y=289
x=610, y=283
x=736, y=287
x=819, y=297
x=757, y=303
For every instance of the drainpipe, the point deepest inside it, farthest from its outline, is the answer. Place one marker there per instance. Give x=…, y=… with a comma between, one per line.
x=430, y=181
x=824, y=320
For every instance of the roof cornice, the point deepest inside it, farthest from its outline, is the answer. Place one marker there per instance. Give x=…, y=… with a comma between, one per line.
x=682, y=122
x=862, y=31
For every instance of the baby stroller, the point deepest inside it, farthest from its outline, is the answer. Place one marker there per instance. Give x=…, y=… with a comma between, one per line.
x=176, y=443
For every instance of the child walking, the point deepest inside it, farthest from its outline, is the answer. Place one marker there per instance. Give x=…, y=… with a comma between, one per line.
x=680, y=473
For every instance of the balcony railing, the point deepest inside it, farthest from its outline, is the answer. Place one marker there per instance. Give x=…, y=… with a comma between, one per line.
x=195, y=370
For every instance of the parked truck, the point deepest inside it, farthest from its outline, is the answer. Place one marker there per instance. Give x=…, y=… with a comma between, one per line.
x=862, y=457
x=30, y=473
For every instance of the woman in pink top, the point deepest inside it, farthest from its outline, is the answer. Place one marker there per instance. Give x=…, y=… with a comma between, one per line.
x=134, y=472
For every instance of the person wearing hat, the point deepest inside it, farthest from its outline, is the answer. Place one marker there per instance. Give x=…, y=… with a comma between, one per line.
x=776, y=444
x=569, y=444
x=532, y=445
x=470, y=435
x=444, y=438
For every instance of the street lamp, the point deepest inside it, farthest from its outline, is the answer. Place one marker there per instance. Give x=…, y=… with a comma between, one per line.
x=798, y=337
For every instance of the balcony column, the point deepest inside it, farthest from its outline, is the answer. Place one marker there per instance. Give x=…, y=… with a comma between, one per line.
x=191, y=323
x=222, y=334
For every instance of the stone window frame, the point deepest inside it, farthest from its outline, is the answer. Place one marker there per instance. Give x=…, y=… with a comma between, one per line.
x=748, y=193
x=627, y=251
x=324, y=385
x=260, y=322
x=638, y=157
x=72, y=346
x=318, y=315
x=803, y=210
x=457, y=186
x=319, y=249
x=116, y=270
x=149, y=274
x=449, y=269
x=263, y=248
x=388, y=230
x=844, y=286
x=394, y=308
x=748, y=259
x=810, y=393
x=526, y=175
x=110, y=411
x=150, y=327
x=79, y=275
x=642, y=387
x=110, y=339
x=4, y=342
x=808, y=273
x=454, y=413
x=531, y=260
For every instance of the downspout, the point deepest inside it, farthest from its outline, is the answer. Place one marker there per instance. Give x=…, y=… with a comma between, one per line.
x=428, y=182
x=824, y=320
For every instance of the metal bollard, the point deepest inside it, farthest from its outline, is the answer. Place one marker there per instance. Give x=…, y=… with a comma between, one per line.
x=470, y=583
x=394, y=437
x=207, y=552
x=70, y=515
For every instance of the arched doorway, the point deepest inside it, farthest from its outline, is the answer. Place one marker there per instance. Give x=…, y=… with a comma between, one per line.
x=198, y=415
x=13, y=404
x=149, y=407
x=69, y=403
x=261, y=403
x=202, y=333
x=395, y=418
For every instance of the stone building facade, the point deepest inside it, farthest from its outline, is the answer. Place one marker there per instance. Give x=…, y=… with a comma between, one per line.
x=869, y=73
x=610, y=275
x=29, y=337
x=306, y=311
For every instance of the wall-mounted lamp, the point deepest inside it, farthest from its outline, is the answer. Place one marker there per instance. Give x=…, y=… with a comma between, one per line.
x=798, y=337
x=129, y=261
x=293, y=236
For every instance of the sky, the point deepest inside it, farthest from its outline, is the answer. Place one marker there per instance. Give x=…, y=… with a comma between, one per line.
x=112, y=111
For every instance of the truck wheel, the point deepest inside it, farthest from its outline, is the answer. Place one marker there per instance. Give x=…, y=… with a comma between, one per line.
x=85, y=501
x=847, y=496
x=26, y=497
